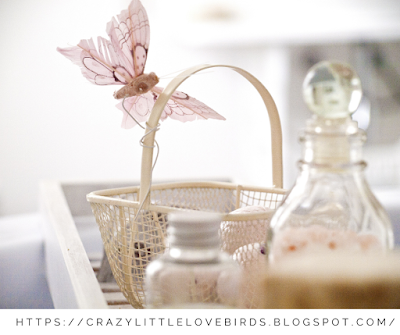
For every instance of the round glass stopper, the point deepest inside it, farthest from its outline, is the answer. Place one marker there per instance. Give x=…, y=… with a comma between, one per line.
x=332, y=90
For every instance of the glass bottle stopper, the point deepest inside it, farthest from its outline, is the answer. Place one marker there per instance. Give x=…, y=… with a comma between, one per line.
x=332, y=90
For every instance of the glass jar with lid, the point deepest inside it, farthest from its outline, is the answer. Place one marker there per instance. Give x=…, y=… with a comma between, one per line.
x=193, y=272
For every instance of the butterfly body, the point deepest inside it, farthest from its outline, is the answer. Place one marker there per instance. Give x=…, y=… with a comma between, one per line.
x=121, y=61
x=137, y=86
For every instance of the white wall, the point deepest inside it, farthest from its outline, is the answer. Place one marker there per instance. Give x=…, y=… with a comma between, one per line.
x=51, y=117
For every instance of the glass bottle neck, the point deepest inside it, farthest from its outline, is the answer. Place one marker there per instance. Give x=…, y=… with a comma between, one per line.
x=332, y=149
x=314, y=169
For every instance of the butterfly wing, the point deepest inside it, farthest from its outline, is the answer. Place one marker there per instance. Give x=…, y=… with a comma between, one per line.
x=180, y=107
x=130, y=36
x=100, y=65
x=183, y=107
x=139, y=107
x=117, y=61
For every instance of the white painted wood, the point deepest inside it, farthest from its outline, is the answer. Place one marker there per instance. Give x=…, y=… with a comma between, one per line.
x=110, y=287
x=70, y=276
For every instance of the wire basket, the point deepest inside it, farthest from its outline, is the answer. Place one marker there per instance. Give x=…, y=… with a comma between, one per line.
x=133, y=221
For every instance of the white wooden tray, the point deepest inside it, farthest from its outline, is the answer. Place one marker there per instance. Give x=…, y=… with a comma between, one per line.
x=73, y=247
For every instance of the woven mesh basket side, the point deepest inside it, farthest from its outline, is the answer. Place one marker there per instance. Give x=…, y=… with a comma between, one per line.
x=219, y=200
x=131, y=244
x=270, y=198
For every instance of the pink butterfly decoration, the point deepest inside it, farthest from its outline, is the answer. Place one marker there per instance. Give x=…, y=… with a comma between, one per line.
x=121, y=61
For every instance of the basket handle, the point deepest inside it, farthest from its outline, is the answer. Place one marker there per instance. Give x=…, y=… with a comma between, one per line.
x=148, y=144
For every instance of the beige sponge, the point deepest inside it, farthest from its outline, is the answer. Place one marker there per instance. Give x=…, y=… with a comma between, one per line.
x=333, y=280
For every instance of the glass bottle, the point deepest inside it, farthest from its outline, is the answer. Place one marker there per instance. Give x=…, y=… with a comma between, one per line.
x=193, y=272
x=330, y=207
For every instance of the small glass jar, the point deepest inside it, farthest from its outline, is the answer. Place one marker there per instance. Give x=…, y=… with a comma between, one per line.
x=193, y=272
x=330, y=207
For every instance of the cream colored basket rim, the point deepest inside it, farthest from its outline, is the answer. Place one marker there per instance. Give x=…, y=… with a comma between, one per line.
x=107, y=197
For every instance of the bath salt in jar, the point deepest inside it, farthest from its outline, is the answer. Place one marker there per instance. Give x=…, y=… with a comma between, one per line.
x=330, y=207
x=193, y=272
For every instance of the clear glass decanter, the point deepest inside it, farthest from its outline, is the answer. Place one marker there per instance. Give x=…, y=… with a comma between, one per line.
x=330, y=207
x=193, y=272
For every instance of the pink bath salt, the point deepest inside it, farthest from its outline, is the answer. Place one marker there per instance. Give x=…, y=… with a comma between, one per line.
x=317, y=239
x=369, y=242
x=290, y=240
x=235, y=234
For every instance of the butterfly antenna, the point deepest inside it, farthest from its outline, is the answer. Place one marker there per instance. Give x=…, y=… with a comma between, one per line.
x=193, y=74
x=152, y=130
x=171, y=75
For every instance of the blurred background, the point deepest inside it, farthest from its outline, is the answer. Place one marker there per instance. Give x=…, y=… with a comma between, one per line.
x=56, y=125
